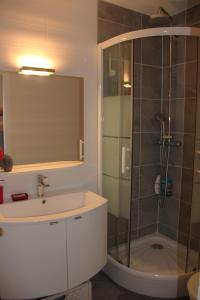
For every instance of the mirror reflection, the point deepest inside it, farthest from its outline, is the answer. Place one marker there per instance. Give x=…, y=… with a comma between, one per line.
x=41, y=118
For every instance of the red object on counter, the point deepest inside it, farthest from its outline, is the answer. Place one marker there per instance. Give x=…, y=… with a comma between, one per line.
x=1, y=194
x=1, y=153
x=19, y=197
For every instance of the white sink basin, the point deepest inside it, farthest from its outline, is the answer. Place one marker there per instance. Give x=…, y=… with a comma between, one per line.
x=43, y=206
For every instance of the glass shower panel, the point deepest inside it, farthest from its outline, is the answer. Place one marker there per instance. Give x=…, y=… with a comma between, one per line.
x=116, y=146
x=148, y=66
x=193, y=262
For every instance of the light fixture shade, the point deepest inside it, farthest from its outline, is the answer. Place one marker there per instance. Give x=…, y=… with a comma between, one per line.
x=36, y=71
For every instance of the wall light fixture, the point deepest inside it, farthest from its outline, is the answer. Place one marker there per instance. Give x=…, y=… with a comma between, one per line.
x=36, y=71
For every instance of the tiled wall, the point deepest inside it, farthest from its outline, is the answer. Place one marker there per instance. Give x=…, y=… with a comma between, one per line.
x=190, y=17
x=194, y=240
x=151, y=67
x=114, y=20
x=147, y=89
x=174, y=217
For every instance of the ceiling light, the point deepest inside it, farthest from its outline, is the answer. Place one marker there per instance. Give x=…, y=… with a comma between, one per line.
x=36, y=71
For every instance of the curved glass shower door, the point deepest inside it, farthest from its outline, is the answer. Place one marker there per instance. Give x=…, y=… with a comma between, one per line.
x=151, y=157
x=116, y=146
x=193, y=257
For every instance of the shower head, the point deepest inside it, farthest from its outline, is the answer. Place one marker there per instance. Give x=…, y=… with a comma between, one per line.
x=160, y=18
x=160, y=117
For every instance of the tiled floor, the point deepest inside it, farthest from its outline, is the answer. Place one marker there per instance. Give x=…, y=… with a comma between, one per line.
x=105, y=289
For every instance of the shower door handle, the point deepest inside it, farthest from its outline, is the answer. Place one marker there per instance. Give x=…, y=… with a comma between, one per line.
x=123, y=169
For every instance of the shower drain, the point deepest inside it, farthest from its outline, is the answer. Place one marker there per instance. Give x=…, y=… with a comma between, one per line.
x=157, y=246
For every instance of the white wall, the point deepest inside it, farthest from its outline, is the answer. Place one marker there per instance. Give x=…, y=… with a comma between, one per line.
x=64, y=34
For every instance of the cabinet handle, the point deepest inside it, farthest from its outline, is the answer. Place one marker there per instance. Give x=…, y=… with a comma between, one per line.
x=78, y=218
x=81, y=151
x=53, y=223
x=1, y=231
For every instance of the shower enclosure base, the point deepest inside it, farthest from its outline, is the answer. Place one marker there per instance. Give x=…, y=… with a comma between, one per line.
x=157, y=266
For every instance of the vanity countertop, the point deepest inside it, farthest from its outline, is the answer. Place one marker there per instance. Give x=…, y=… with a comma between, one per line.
x=70, y=204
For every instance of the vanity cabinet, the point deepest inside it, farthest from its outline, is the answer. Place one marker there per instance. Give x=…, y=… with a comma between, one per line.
x=86, y=245
x=41, y=258
x=33, y=260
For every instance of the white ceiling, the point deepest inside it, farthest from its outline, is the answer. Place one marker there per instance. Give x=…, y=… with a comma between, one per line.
x=150, y=6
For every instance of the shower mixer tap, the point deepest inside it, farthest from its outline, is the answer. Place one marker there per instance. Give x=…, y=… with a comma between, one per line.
x=167, y=137
x=170, y=142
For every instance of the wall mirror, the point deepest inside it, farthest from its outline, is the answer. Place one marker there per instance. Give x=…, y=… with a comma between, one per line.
x=41, y=118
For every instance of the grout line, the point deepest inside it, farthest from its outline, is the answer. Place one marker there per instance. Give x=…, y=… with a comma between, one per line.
x=151, y=66
x=122, y=24
x=116, y=137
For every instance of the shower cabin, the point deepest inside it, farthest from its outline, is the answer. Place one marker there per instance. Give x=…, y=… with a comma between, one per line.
x=149, y=145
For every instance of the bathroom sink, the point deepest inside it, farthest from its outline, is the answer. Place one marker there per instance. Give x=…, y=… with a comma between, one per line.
x=43, y=206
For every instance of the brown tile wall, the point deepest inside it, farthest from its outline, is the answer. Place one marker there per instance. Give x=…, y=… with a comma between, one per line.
x=114, y=20
x=183, y=112
x=189, y=48
x=147, y=54
x=190, y=17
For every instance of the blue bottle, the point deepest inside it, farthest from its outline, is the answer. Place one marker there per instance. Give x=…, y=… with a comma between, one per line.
x=168, y=184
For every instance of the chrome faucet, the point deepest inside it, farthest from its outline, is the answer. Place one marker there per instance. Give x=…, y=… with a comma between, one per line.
x=41, y=185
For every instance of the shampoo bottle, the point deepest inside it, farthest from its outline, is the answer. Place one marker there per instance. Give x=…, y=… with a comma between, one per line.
x=166, y=187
